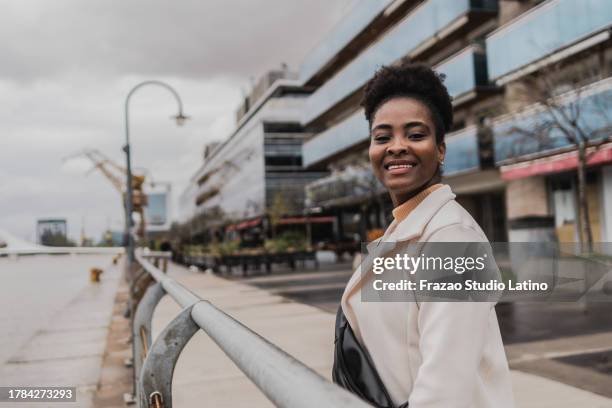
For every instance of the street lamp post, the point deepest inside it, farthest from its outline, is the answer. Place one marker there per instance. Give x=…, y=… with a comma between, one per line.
x=180, y=120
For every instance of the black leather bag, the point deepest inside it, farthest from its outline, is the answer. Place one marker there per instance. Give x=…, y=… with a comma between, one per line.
x=353, y=368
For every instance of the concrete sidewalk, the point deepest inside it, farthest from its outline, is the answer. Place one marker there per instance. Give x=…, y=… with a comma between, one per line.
x=204, y=375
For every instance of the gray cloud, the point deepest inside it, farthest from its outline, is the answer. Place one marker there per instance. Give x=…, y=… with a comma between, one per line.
x=191, y=38
x=68, y=64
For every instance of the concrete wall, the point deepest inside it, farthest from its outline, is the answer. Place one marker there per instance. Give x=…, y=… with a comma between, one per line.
x=528, y=211
x=527, y=198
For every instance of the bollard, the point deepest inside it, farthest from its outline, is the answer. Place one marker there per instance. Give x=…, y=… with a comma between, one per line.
x=94, y=274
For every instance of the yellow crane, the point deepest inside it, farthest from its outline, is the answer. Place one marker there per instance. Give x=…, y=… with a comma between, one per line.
x=116, y=174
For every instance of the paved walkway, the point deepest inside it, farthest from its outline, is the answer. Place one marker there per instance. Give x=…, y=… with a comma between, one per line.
x=204, y=375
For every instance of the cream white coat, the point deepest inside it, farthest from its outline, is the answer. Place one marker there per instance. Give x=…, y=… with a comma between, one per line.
x=434, y=354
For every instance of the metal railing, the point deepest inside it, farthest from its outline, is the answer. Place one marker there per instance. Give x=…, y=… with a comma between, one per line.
x=283, y=379
x=48, y=250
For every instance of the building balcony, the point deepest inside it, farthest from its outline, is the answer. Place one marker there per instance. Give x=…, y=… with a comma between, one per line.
x=424, y=28
x=462, y=152
x=324, y=146
x=206, y=195
x=349, y=186
x=360, y=17
x=553, y=26
x=533, y=133
x=465, y=74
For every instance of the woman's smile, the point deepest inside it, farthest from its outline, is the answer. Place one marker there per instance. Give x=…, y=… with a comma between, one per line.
x=400, y=167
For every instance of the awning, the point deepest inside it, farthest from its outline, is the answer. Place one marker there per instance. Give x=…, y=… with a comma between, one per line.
x=244, y=224
x=555, y=164
x=307, y=220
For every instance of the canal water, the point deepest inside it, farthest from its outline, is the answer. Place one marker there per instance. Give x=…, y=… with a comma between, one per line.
x=54, y=321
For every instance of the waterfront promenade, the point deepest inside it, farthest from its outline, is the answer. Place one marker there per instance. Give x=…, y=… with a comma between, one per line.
x=54, y=322
x=60, y=335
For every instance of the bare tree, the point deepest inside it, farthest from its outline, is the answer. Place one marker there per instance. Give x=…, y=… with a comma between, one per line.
x=279, y=208
x=368, y=182
x=569, y=113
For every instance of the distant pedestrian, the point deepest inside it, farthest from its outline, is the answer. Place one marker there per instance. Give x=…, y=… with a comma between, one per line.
x=432, y=354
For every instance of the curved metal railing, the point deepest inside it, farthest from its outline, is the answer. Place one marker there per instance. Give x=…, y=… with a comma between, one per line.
x=283, y=379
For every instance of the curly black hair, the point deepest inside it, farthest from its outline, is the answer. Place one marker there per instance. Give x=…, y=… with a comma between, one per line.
x=415, y=81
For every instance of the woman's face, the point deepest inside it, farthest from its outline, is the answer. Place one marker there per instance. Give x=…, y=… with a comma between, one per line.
x=403, y=149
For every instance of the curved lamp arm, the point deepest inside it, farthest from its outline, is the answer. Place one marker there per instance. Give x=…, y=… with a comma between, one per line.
x=180, y=117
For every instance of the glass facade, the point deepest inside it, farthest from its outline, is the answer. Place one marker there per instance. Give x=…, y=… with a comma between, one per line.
x=418, y=27
x=462, y=153
x=518, y=136
x=291, y=187
x=156, y=211
x=353, y=183
x=464, y=71
x=236, y=184
x=553, y=25
x=347, y=133
x=284, y=173
x=359, y=18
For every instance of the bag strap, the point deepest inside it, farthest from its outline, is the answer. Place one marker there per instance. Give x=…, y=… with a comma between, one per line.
x=353, y=367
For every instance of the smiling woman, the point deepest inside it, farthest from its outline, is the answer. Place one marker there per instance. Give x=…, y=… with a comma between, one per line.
x=428, y=354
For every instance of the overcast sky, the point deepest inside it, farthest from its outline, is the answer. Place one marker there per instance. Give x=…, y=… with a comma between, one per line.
x=67, y=65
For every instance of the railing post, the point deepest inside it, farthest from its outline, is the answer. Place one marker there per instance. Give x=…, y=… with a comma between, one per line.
x=155, y=388
x=141, y=329
x=139, y=283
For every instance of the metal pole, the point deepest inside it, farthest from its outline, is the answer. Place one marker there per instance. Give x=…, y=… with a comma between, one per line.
x=180, y=117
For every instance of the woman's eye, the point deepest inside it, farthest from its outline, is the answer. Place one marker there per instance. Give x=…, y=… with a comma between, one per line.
x=416, y=136
x=381, y=138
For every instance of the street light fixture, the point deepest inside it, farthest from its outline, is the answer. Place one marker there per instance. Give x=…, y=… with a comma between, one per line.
x=180, y=120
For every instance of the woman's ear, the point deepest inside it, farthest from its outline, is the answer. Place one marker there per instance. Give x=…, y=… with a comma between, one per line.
x=441, y=152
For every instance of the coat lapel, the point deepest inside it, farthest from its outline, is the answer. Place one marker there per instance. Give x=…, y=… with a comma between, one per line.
x=414, y=224
x=408, y=229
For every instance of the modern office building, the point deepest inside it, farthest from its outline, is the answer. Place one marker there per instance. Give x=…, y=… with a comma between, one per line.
x=486, y=49
x=259, y=166
x=563, y=46
x=57, y=227
x=157, y=211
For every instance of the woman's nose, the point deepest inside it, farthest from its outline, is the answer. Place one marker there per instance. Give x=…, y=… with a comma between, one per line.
x=396, y=146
